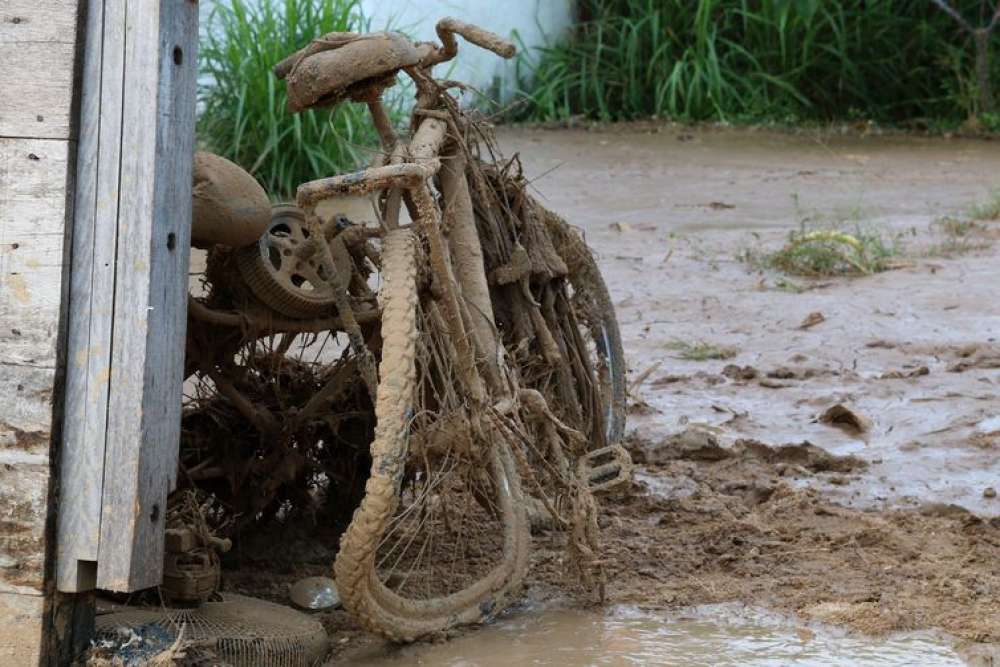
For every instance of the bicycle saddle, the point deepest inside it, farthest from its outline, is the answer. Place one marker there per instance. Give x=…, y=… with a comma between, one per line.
x=228, y=205
x=344, y=65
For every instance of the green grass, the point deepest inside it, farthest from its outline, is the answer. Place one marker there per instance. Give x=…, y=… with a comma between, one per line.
x=831, y=252
x=737, y=60
x=954, y=246
x=700, y=350
x=243, y=115
x=987, y=210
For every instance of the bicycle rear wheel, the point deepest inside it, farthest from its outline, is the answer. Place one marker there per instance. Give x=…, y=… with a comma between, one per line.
x=441, y=536
x=595, y=313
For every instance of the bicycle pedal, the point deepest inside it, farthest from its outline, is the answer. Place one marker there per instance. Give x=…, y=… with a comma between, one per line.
x=607, y=467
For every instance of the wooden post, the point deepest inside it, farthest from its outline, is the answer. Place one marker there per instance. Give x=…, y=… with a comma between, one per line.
x=150, y=309
x=91, y=299
x=129, y=292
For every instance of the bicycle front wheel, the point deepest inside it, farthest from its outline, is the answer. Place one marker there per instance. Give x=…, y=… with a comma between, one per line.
x=441, y=536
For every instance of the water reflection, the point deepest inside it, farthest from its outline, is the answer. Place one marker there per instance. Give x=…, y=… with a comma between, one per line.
x=717, y=636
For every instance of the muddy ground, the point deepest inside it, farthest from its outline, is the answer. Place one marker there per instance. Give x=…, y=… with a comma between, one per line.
x=887, y=529
x=742, y=493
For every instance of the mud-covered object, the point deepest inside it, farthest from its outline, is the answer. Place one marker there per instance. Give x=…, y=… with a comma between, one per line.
x=190, y=577
x=239, y=631
x=229, y=206
x=349, y=67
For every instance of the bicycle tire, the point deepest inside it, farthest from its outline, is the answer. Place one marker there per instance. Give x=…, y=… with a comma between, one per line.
x=362, y=585
x=586, y=279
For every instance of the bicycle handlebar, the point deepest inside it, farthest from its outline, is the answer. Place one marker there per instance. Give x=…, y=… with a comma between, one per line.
x=448, y=27
x=431, y=54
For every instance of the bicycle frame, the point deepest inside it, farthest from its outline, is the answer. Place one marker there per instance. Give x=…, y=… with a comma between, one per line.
x=456, y=259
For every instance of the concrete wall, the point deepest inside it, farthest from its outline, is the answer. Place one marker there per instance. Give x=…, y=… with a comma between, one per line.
x=39, y=56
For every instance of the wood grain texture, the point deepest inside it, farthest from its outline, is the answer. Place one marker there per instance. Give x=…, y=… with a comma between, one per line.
x=23, y=495
x=151, y=290
x=91, y=295
x=39, y=51
x=32, y=226
x=38, y=47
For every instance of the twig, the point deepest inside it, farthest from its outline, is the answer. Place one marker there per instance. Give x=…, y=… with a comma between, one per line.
x=636, y=383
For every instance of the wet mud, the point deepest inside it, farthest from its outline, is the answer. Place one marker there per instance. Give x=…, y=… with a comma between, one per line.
x=915, y=350
x=833, y=466
x=838, y=465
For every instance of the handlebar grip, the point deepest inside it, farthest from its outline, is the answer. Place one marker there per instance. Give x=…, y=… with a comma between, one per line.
x=448, y=27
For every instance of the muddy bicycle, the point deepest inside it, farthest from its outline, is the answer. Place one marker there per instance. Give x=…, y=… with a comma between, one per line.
x=420, y=343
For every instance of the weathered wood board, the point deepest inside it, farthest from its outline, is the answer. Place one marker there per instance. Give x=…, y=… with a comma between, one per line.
x=38, y=38
x=92, y=288
x=150, y=297
x=129, y=289
x=33, y=177
x=38, y=64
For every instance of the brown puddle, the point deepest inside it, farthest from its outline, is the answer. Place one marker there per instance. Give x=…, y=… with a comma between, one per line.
x=717, y=635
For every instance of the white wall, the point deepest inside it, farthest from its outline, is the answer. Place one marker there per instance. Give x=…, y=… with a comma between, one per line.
x=535, y=21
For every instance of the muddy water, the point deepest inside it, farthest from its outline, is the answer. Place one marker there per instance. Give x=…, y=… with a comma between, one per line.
x=717, y=636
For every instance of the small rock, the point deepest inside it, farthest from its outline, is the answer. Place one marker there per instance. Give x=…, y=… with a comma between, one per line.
x=772, y=384
x=912, y=373
x=989, y=492
x=315, y=593
x=812, y=319
x=846, y=417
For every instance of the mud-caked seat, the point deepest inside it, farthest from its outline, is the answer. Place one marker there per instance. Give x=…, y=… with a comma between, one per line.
x=345, y=66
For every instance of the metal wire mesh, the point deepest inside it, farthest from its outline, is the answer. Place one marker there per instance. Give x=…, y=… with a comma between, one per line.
x=241, y=631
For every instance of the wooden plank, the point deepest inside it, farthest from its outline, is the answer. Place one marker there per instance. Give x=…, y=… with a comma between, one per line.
x=32, y=228
x=91, y=296
x=33, y=208
x=37, y=55
x=34, y=177
x=151, y=290
x=38, y=74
